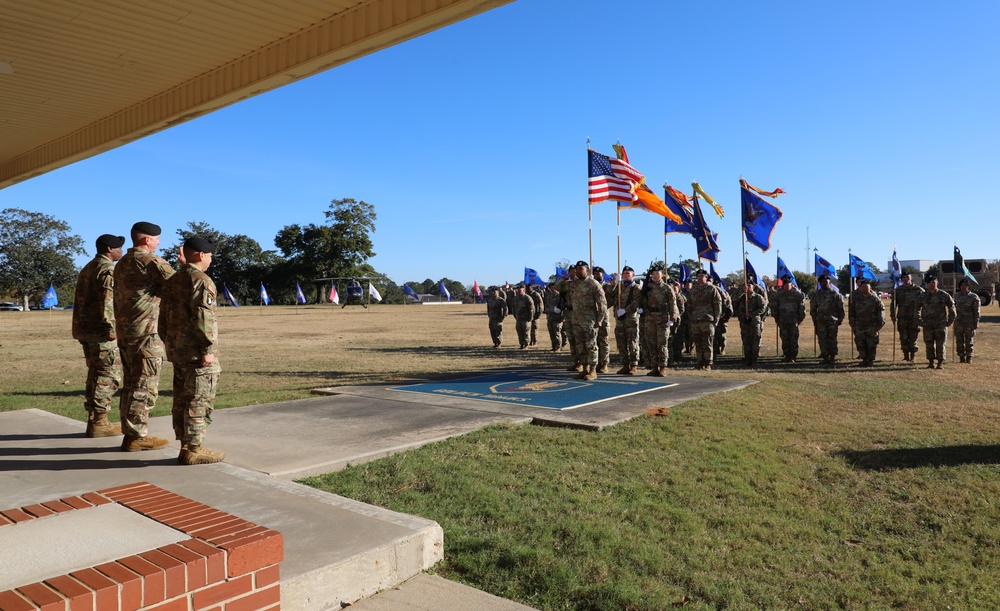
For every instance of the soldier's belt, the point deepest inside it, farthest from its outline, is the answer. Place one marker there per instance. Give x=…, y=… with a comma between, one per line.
x=655, y=310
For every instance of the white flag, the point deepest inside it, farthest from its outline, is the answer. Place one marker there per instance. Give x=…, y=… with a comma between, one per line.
x=374, y=292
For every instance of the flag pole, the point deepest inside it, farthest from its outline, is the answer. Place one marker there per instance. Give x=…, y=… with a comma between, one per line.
x=850, y=291
x=954, y=287
x=892, y=314
x=590, y=219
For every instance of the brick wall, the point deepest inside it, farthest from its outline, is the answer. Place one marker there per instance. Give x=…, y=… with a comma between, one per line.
x=228, y=564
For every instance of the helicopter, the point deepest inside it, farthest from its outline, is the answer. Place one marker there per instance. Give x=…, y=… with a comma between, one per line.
x=354, y=292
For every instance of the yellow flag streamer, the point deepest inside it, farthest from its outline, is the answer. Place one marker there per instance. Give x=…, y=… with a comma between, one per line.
x=708, y=199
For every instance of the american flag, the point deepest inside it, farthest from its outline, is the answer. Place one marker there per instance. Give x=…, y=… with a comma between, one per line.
x=605, y=182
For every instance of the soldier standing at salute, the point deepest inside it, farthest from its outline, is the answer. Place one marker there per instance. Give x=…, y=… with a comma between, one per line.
x=191, y=339
x=749, y=308
x=589, y=310
x=659, y=303
x=866, y=317
x=967, y=307
x=94, y=328
x=903, y=311
x=704, y=311
x=826, y=307
x=524, y=313
x=936, y=310
x=624, y=299
x=496, y=309
x=139, y=278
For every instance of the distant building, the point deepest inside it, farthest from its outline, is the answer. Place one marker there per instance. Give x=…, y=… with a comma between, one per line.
x=921, y=265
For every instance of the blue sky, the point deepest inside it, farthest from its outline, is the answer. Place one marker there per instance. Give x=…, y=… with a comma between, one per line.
x=878, y=119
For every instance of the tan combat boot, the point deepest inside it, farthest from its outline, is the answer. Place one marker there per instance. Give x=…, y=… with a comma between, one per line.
x=583, y=373
x=602, y=369
x=138, y=444
x=102, y=427
x=590, y=373
x=199, y=455
x=576, y=366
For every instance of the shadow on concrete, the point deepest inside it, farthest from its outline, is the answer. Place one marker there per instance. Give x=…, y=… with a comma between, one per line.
x=83, y=464
x=916, y=458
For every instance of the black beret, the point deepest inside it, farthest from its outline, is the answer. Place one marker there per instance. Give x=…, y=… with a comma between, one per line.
x=199, y=244
x=598, y=268
x=964, y=281
x=904, y=273
x=582, y=264
x=824, y=277
x=627, y=269
x=656, y=268
x=929, y=277
x=111, y=241
x=862, y=281
x=786, y=277
x=146, y=228
x=701, y=272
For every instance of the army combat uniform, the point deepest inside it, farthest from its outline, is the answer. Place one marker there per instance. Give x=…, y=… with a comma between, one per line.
x=659, y=303
x=937, y=313
x=750, y=310
x=524, y=313
x=826, y=308
x=190, y=332
x=903, y=311
x=589, y=308
x=722, y=327
x=139, y=279
x=496, y=309
x=966, y=322
x=94, y=328
x=789, y=310
x=866, y=316
x=536, y=299
x=551, y=301
x=624, y=300
x=704, y=311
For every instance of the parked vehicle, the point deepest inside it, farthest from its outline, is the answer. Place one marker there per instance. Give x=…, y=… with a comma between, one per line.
x=9, y=306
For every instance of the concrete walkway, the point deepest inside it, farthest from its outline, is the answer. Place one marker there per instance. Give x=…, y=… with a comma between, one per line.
x=337, y=551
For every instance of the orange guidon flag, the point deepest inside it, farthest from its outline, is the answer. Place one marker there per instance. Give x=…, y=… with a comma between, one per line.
x=649, y=201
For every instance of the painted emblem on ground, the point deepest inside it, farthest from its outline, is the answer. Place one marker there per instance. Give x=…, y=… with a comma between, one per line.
x=549, y=390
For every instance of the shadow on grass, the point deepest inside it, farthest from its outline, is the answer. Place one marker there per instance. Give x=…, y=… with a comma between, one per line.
x=916, y=458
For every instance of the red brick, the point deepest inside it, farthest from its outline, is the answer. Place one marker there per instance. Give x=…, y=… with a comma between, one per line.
x=16, y=515
x=215, y=558
x=257, y=600
x=243, y=534
x=174, y=572
x=177, y=604
x=4, y=520
x=57, y=506
x=224, y=591
x=38, y=510
x=128, y=490
x=193, y=515
x=131, y=596
x=44, y=597
x=255, y=553
x=76, y=502
x=96, y=499
x=169, y=508
x=195, y=565
x=220, y=528
x=80, y=597
x=12, y=601
x=212, y=519
x=267, y=576
x=153, y=579
x=144, y=502
x=105, y=590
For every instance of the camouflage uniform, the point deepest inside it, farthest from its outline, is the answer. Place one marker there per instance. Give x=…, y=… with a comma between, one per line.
x=139, y=279
x=496, y=309
x=191, y=331
x=721, y=327
x=589, y=307
x=704, y=311
x=750, y=312
x=789, y=310
x=536, y=299
x=903, y=311
x=94, y=328
x=866, y=316
x=563, y=286
x=524, y=313
x=659, y=303
x=624, y=300
x=678, y=336
x=826, y=308
x=966, y=322
x=511, y=298
x=551, y=300
x=937, y=312
x=604, y=332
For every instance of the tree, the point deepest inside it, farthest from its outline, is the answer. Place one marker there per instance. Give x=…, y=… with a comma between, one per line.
x=36, y=250
x=238, y=261
x=806, y=282
x=337, y=249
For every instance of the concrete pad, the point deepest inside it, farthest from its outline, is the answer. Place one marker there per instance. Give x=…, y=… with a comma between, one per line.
x=296, y=439
x=65, y=542
x=432, y=593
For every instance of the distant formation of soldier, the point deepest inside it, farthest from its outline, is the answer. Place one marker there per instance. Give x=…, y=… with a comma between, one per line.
x=659, y=322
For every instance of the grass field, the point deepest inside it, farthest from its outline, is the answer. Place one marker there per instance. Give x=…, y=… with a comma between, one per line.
x=857, y=488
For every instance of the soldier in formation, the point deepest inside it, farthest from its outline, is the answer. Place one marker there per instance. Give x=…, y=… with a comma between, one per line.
x=749, y=308
x=704, y=312
x=138, y=282
x=903, y=312
x=967, y=307
x=94, y=328
x=496, y=309
x=535, y=292
x=524, y=313
x=551, y=301
x=604, y=331
x=624, y=300
x=866, y=316
x=936, y=310
x=789, y=311
x=826, y=308
x=191, y=341
x=589, y=311
x=659, y=303
x=722, y=327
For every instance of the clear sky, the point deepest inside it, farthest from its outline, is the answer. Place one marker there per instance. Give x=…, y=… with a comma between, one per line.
x=879, y=119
